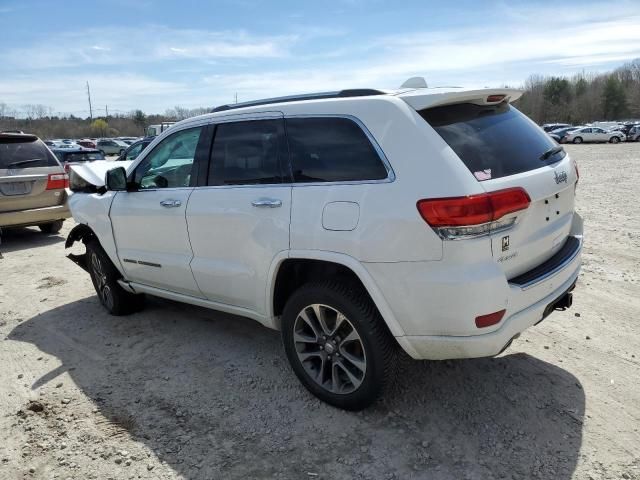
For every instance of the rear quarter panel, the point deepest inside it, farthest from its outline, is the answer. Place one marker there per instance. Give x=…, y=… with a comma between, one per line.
x=389, y=227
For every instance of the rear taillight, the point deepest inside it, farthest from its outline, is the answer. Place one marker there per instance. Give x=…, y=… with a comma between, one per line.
x=473, y=215
x=57, y=181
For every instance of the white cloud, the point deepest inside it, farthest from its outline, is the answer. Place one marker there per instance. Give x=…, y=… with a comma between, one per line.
x=123, y=46
x=200, y=68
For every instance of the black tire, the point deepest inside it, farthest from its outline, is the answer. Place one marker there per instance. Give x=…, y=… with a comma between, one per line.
x=53, y=227
x=614, y=139
x=577, y=140
x=375, y=341
x=105, y=276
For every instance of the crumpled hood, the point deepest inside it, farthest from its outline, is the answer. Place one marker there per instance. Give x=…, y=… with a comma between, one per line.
x=94, y=172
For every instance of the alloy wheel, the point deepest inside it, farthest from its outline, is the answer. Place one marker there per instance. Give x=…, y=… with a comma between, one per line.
x=102, y=287
x=330, y=348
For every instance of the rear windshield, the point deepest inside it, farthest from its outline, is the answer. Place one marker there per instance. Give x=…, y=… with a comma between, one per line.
x=16, y=154
x=493, y=141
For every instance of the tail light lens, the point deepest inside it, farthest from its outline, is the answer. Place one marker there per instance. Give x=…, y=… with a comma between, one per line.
x=57, y=181
x=473, y=215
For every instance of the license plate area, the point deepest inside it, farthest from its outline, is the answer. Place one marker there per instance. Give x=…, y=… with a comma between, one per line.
x=15, y=188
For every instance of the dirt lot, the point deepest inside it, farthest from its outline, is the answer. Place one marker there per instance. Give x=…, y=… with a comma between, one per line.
x=183, y=392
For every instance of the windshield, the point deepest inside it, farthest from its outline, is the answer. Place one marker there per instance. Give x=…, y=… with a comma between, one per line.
x=16, y=153
x=493, y=141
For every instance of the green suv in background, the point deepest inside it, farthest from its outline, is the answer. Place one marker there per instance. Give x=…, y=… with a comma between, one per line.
x=110, y=146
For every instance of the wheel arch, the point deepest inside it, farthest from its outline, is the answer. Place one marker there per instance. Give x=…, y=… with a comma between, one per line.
x=284, y=279
x=84, y=233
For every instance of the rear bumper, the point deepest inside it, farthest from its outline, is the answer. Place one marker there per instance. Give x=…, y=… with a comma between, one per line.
x=35, y=216
x=436, y=303
x=441, y=347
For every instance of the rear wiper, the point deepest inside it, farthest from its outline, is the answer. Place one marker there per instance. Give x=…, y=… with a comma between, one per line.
x=23, y=162
x=551, y=152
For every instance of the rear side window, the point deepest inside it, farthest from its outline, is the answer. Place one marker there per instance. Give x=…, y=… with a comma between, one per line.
x=247, y=153
x=17, y=153
x=493, y=141
x=331, y=150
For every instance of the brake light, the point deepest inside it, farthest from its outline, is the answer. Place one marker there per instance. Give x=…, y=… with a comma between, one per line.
x=491, y=319
x=56, y=181
x=475, y=214
x=495, y=98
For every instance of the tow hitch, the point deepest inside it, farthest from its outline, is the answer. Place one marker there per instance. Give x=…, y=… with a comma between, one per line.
x=564, y=302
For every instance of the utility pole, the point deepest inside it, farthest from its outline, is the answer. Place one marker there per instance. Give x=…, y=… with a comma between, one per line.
x=236, y=97
x=89, y=95
x=106, y=111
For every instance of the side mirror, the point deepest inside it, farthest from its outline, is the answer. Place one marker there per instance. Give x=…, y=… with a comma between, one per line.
x=116, y=179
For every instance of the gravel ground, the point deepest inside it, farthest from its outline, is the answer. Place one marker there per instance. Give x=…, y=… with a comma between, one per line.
x=183, y=392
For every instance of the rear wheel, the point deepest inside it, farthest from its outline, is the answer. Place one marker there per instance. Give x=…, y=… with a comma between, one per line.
x=614, y=140
x=105, y=276
x=577, y=140
x=337, y=344
x=53, y=227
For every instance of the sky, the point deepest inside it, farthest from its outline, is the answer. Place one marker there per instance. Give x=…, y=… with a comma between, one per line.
x=154, y=55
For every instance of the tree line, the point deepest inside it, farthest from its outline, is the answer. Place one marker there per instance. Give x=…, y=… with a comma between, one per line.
x=39, y=120
x=579, y=99
x=585, y=97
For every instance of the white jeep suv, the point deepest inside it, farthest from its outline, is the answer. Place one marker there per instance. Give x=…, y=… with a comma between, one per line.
x=437, y=220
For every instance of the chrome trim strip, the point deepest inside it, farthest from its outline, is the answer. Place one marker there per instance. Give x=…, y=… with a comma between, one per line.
x=391, y=176
x=142, y=262
x=552, y=272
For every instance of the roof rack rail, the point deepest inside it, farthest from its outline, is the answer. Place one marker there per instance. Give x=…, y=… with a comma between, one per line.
x=356, y=92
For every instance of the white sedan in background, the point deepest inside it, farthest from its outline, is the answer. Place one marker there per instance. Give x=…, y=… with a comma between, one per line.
x=593, y=135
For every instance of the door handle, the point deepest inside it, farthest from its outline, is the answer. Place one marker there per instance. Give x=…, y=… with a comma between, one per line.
x=267, y=202
x=170, y=203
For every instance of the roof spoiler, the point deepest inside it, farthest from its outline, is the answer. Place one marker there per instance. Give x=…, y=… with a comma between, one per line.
x=422, y=99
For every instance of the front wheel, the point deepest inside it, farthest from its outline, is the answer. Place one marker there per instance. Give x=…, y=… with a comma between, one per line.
x=577, y=140
x=614, y=140
x=105, y=276
x=338, y=344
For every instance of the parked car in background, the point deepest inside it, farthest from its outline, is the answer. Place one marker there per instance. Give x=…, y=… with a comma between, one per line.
x=32, y=184
x=593, y=135
x=559, y=133
x=548, y=127
x=289, y=211
x=86, y=143
x=634, y=134
x=69, y=156
x=111, y=146
x=135, y=149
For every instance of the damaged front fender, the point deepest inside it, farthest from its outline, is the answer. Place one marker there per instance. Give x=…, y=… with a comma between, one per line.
x=82, y=233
